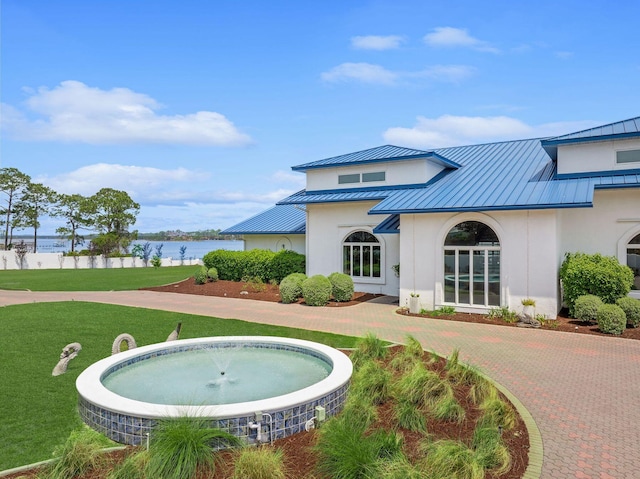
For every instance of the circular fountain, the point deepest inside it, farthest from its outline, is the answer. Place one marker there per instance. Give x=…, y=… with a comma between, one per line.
x=257, y=388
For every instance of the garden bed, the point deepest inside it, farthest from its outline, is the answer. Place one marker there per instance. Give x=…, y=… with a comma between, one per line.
x=300, y=459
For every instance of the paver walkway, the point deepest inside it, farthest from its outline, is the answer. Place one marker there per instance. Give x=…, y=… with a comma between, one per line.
x=583, y=391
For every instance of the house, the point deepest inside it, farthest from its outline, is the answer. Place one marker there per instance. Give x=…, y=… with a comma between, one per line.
x=473, y=227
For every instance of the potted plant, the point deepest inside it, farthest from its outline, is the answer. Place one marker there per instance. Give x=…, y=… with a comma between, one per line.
x=414, y=303
x=529, y=307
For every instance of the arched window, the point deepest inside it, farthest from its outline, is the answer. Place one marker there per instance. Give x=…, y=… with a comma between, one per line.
x=361, y=255
x=633, y=259
x=472, y=265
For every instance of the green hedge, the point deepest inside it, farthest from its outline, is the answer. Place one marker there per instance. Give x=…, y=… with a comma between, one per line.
x=595, y=274
x=631, y=308
x=611, y=319
x=586, y=308
x=316, y=290
x=291, y=287
x=256, y=263
x=342, y=286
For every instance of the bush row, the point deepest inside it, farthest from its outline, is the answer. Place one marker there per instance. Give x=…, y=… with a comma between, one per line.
x=316, y=290
x=611, y=318
x=256, y=263
x=594, y=274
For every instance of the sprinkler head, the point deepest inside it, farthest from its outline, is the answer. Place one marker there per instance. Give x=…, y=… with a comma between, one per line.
x=221, y=373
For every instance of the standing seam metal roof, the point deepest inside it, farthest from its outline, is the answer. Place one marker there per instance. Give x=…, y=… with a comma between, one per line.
x=619, y=129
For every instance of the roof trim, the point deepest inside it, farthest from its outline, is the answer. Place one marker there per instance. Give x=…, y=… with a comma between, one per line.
x=364, y=189
x=427, y=155
x=589, y=139
x=476, y=209
x=597, y=174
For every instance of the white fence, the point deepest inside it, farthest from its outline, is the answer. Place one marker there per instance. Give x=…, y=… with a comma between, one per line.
x=10, y=260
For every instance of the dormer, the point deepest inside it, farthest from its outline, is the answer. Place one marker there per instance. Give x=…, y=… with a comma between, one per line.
x=602, y=150
x=382, y=167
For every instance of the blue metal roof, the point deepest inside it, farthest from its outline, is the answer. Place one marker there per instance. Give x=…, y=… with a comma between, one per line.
x=511, y=175
x=391, y=225
x=379, y=154
x=280, y=219
x=620, y=129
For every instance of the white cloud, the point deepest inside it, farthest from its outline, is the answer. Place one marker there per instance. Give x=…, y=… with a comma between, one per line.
x=75, y=112
x=364, y=72
x=138, y=181
x=376, y=42
x=376, y=74
x=450, y=130
x=446, y=73
x=457, y=37
x=297, y=179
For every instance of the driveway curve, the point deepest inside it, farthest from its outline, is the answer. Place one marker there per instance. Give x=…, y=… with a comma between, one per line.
x=583, y=391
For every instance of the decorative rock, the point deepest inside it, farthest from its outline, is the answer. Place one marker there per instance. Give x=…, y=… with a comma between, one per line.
x=69, y=352
x=175, y=334
x=526, y=321
x=124, y=337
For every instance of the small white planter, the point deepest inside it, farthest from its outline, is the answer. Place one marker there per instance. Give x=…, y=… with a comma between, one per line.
x=414, y=304
x=529, y=311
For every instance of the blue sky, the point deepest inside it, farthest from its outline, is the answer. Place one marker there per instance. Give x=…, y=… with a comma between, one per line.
x=198, y=109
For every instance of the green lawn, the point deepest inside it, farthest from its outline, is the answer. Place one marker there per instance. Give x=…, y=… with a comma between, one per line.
x=37, y=411
x=99, y=279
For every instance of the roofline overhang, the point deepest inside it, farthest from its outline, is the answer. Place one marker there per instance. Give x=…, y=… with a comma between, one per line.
x=596, y=174
x=432, y=156
x=551, y=206
x=590, y=139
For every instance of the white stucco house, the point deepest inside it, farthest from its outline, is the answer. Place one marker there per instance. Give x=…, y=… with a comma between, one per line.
x=473, y=227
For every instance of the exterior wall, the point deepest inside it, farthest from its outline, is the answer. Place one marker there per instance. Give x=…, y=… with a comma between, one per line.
x=399, y=173
x=9, y=260
x=606, y=228
x=594, y=156
x=528, y=258
x=329, y=224
x=275, y=242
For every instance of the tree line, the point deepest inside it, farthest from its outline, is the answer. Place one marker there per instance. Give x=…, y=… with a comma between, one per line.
x=108, y=214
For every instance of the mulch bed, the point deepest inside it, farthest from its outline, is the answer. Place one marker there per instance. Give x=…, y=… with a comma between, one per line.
x=232, y=289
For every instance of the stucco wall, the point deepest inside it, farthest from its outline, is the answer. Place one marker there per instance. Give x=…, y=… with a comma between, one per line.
x=275, y=242
x=606, y=228
x=9, y=260
x=528, y=265
x=594, y=156
x=329, y=224
x=399, y=173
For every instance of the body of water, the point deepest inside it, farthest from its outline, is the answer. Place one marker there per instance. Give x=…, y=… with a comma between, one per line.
x=170, y=249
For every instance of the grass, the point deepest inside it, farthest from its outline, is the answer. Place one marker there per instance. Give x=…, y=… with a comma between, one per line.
x=79, y=454
x=179, y=446
x=259, y=463
x=38, y=410
x=99, y=279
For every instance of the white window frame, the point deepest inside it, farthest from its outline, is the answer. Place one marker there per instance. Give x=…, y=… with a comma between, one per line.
x=471, y=250
x=364, y=279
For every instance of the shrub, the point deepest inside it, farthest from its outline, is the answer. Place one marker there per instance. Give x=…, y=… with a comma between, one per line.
x=595, y=274
x=286, y=262
x=372, y=381
x=156, y=262
x=235, y=265
x=200, y=277
x=341, y=286
x=368, y=347
x=179, y=446
x=79, y=454
x=631, y=308
x=450, y=459
x=291, y=287
x=611, y=319
x=259, y=463
x=316, y=290
x=212, y=274
x=586, y=307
